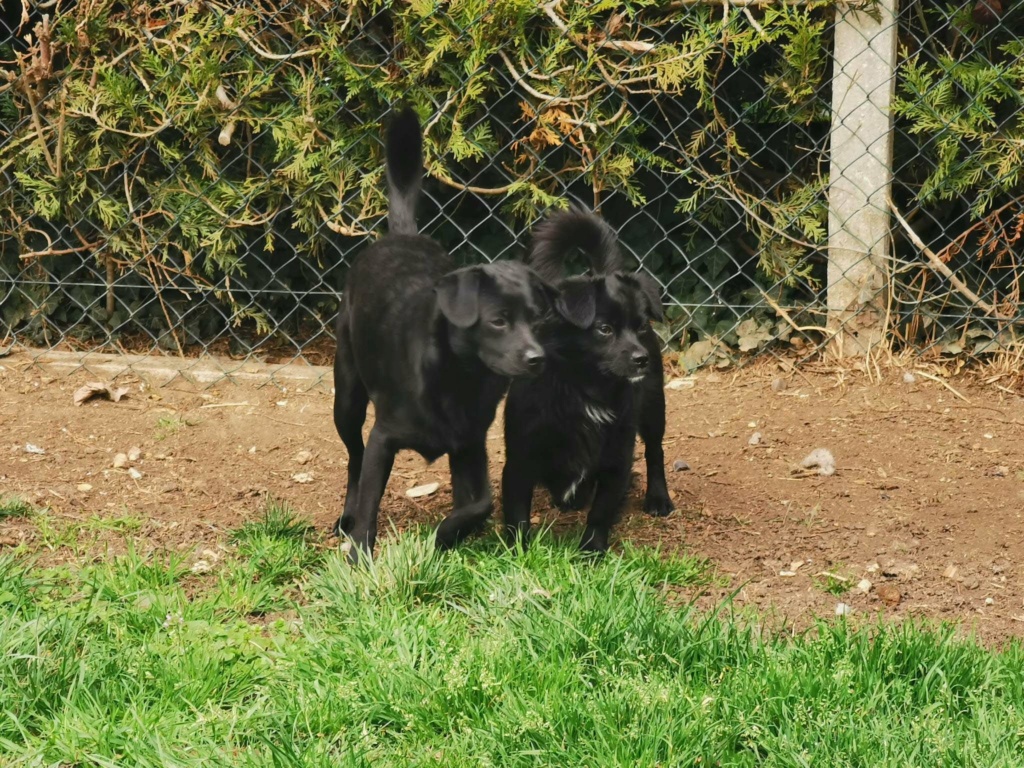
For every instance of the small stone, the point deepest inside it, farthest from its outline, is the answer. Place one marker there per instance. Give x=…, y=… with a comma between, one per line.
x=252, y=449
x=680, y=466
x=843, y=609
x=686, y=383
x=787, y=574
x=909, y=378
x=134, y=474
x=989, y=601
x=971, y=582
x=755, y=439
x=35, y=449
x=303, y=457
x=1000, y=471
x=864, y=586
x=134, y=453
x=872, y=567
x=120, y=460
x=951, y=572
x=779, y=384
x=200, y=566
x=303, y=477
x=889, y=594
x=282, y=403
x=84, y=487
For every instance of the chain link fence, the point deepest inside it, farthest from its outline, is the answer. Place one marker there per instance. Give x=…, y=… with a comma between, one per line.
x=191, y=178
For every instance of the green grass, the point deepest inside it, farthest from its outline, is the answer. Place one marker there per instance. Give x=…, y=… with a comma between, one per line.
x=283, y=655
x=12, y=507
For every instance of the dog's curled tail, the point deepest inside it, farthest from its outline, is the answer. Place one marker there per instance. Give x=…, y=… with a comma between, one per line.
x=404, y=147
x=561, y=233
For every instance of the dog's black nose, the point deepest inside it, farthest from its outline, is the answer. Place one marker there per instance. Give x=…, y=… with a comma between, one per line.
x=534, y=359
x=640, y=360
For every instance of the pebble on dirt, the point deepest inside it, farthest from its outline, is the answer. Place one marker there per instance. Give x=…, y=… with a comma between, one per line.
x=134, y=474
x=680, y=466
x=134, y=453
x=120, y=460
x=821, y=458
x=864, y=586
x=303, y=457
x=755, y=439
x=909, y=378
x=779, y=384
x=889, y=594
x=302, y=477
x=843, y=609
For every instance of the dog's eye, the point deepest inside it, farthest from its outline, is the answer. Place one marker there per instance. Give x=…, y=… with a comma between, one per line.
x=604, y=330
x=499, y=322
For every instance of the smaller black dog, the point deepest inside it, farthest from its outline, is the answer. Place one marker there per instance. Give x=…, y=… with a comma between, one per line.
x=573, y=429
x=433, y=349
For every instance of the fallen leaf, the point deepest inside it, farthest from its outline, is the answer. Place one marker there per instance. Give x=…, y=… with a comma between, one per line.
x=96, y=389
x=422, y=490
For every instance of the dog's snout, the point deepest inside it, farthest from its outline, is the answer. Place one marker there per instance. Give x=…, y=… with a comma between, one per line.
x=640, y=358
x=534, y=359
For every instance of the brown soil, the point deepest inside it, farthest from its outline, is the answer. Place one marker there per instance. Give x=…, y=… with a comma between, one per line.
x=926, y=502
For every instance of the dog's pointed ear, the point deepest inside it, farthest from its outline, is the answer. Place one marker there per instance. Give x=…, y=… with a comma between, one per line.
x=650, y=291
x=577, y=302
x=458, y=297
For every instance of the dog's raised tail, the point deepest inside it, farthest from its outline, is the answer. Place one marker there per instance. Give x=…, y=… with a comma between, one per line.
x=405, y=171
x=557, y=237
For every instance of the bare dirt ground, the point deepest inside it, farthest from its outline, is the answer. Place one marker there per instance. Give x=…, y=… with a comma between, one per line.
x=926, y=503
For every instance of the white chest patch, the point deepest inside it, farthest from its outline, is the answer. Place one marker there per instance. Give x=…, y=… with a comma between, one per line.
x=598, y=415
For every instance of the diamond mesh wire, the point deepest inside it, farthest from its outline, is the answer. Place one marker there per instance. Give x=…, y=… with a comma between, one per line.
x=191, y=179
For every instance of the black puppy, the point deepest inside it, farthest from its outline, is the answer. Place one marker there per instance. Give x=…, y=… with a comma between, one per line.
x=433, y=348
x=573, y=429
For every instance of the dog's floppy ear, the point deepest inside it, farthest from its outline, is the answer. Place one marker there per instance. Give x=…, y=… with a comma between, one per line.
x=577, y=302
x=458, y=296
x=650, y=292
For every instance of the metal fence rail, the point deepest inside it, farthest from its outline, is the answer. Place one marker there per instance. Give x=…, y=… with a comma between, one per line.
x=184, y=179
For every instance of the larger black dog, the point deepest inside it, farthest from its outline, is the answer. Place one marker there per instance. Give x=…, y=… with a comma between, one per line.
x=433, y=348
x=573, y=429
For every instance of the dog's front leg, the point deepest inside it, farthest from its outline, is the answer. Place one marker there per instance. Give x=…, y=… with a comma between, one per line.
x=378, y=460
x=471, y=496
x=518, y=480
x=651, y=423
x=609, y=499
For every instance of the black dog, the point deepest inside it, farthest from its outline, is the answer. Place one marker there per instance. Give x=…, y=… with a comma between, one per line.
x=433, y=349
x=573, y=429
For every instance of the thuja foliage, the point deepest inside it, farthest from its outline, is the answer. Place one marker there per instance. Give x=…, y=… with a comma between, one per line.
x=205, y=166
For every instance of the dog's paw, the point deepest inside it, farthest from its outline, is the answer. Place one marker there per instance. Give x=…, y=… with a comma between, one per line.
x=594, y=544
x=658, y=505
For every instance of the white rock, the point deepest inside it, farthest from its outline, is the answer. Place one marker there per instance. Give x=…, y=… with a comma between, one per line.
x=134, y=453
x=842, y=609
x=864, y=586
x=200, y=566
x=989, y=601
x=755, y=439
x=120, y=461
x=303, y=457
x=303, y=477
x=30, y=448
x=84, y=487
x=134, y=474
x=909, y=378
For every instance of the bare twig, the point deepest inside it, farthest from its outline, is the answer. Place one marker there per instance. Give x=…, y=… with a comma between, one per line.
x=943, y=383
x=939, y=266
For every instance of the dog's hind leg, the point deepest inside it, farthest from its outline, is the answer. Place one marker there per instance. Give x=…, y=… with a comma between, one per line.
x=518, y=480
x=651, y=426
x=471, y=496
x=350, y=401
x=361, y=524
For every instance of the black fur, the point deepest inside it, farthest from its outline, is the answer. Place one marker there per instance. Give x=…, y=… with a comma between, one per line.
x=433, y=349
x=573, y=429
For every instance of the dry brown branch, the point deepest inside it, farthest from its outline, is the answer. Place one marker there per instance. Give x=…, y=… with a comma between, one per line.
x=939, y=266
